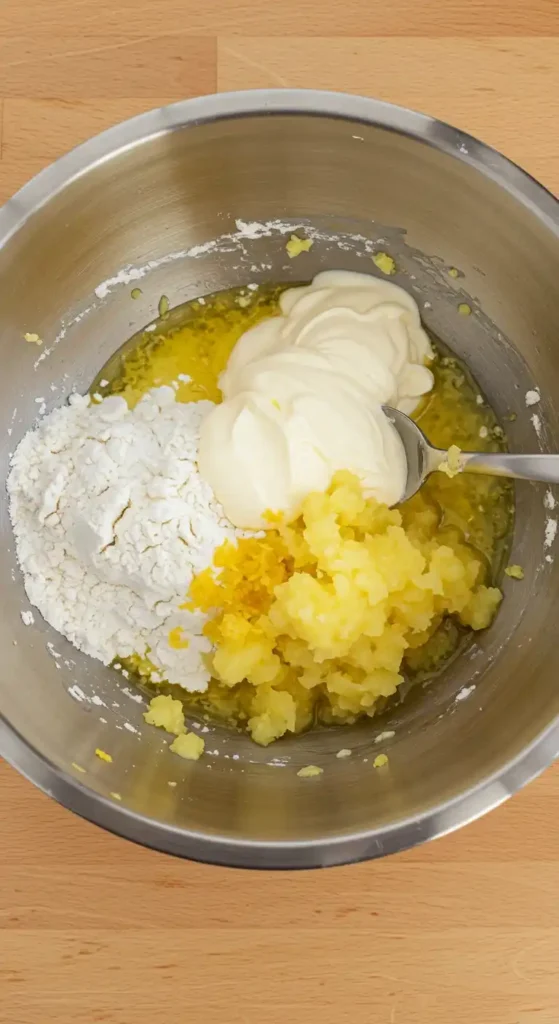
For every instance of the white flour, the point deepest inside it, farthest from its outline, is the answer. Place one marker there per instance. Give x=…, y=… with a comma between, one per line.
x=112, y=520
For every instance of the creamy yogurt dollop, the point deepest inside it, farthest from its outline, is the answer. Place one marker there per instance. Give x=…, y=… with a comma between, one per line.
x=303, y=395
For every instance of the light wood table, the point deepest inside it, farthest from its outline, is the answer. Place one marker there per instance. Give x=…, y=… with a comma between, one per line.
x=463, y=931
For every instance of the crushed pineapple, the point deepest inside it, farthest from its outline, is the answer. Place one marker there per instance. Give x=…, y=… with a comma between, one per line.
x=103, y=756
x=380, y=761
x=516, y=572
x=452, y=464
x=313, y=619
x=310, y=771
x=166, y=713
x=295, y=246
x=384, y=262
x=188, y=745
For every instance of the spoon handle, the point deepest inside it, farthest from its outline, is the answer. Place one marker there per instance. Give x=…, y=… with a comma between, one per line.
x=544, y=468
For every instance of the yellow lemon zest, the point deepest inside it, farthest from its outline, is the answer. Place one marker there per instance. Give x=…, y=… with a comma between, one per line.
x=177, y=640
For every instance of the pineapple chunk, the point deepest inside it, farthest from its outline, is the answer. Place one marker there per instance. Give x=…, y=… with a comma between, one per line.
x=188, y=745
x=166, y=713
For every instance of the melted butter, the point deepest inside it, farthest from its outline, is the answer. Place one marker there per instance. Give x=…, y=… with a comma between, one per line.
x=193, y=341
x=478, y=507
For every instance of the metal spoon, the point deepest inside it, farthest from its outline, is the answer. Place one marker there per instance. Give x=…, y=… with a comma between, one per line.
x=422, y=459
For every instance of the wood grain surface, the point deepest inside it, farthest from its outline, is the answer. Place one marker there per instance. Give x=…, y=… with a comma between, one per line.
x=92, y=929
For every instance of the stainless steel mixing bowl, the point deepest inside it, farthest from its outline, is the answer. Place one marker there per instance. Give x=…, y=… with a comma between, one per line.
x=161, y=193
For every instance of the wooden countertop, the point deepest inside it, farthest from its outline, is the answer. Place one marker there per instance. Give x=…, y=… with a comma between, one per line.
x=92, y=929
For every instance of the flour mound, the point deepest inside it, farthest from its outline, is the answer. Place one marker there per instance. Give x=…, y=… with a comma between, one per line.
x=112, y=520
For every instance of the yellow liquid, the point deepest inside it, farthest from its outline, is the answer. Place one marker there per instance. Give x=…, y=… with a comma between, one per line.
x=195, y=341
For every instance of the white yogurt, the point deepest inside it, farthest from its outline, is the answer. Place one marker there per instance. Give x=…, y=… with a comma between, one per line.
x=303, y=395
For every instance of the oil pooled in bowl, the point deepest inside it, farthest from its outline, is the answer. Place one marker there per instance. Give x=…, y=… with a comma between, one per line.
x=188, y=347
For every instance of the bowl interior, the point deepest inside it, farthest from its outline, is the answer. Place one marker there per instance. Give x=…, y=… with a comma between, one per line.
x=209, y=205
